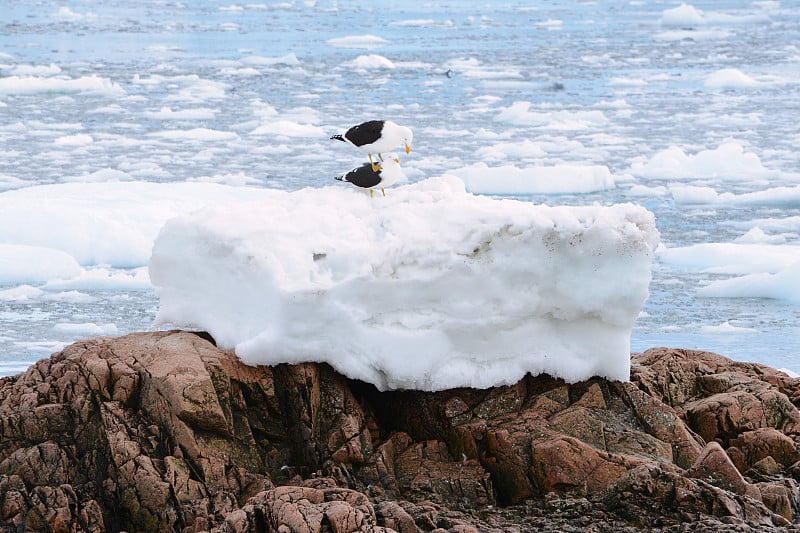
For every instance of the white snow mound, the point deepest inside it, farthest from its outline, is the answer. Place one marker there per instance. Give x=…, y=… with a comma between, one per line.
x=429, y=288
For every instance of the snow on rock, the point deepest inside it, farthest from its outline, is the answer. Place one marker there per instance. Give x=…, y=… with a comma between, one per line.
x=558, y=179
x=428, y=288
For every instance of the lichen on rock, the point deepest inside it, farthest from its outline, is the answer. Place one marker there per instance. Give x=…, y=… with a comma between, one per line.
x=164, y=431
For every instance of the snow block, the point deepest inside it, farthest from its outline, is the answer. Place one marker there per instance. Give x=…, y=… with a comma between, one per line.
x=428, y=288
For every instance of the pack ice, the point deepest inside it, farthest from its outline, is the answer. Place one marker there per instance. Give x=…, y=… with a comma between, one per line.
x=428, y=288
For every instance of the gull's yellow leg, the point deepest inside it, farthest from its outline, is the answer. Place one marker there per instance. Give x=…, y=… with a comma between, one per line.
x=384, y=192
x=370, y=193
x=375, y=166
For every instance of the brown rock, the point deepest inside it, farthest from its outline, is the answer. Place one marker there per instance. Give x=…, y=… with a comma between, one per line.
x=565, y=464
x=780, y=498
x=765, y=467
x=725, y=415
x=508, y=468
x=426, y=470
x=165, y=432
x=765, y=442
x=715, y=467
x=721, y=397
x=393, y=516
x=685, y=498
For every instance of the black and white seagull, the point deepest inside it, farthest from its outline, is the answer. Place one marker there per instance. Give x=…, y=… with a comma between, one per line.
x=366, y=177
x=376, y=137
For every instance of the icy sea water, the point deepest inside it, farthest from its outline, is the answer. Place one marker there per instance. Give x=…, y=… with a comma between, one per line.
x=694, y=111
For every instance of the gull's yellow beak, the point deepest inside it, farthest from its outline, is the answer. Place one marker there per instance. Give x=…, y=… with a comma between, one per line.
x=408, y=149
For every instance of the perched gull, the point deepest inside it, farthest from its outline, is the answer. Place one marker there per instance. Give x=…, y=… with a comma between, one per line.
x=367, y=178
x=376, y=137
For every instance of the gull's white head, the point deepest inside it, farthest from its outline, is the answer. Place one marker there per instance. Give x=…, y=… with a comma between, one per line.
x=408, y=136
x=391, y=172
x=403, y=134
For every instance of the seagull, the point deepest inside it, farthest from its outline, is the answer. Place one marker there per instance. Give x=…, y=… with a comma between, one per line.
x=366, y=177
x=376, y=137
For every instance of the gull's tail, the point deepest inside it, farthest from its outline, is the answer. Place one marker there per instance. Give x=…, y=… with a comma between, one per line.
x=339, y=178
x=337, y=137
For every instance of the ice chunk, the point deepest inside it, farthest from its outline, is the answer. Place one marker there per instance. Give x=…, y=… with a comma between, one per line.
x=428, y=288
x=558, y=179
x=782, y=285
x=21, y=263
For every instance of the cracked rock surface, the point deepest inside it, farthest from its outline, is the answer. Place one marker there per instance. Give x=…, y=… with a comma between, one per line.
x=163, y=431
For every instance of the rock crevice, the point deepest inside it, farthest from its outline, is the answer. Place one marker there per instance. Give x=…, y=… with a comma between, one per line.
x=165, y=432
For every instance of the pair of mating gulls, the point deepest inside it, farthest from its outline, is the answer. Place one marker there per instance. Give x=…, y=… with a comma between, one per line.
x=376, y=137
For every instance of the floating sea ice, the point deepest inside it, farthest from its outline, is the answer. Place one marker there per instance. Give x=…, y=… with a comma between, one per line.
x=289, y=59
x=88, y=329
x=643, y=191
x=519, y=149
x=550, y=24
x=102, y=279
x=419, y=23
x=165, y=113
x=358, y=41
x=371, y=61
x=289, y=129
x=20, y=263
x=782, y=285
x=730, y=258
x=775, y=224
x=21, y=293
x=64, y=13
x=79, y=139
x=757, y=236
x=683, y=16
x=195, y=135
x=687, y=16
x=520, y=114
x=33, y=85
x=627, y=82
x=692, y=35
x=774, y=197
x=730, y=78
x=99, y=176
x=559, y=179
x=10, y=182
x=728, y=161
x=36, y=70
x=106, y=223
x=726, y=328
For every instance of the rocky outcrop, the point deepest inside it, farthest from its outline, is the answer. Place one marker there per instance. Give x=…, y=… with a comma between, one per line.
x=165, y=432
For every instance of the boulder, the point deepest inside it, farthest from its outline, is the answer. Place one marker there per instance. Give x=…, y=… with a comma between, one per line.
x=164, y=431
